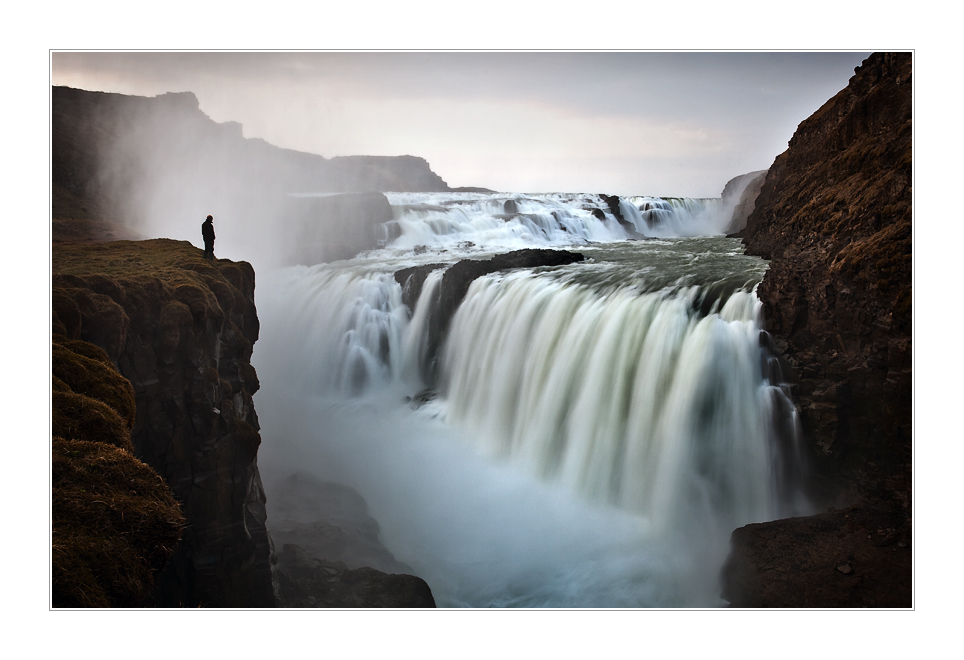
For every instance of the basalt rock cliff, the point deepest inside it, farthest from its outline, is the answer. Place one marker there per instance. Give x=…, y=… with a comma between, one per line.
x=834, y=219
x=181, y=329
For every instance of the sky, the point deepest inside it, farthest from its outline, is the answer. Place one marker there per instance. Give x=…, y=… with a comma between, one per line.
x=659, y=123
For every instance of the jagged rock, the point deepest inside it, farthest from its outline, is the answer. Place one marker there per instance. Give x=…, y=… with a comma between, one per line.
x=331, y=553
x=740, y=193
x=329, y=521
x=412, y=280
x=181, y=329
x=612, y=201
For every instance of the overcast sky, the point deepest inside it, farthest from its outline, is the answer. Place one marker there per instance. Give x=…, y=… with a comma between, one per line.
x=676, y=123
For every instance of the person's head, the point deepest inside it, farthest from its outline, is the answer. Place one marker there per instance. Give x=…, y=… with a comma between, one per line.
x=209, y=218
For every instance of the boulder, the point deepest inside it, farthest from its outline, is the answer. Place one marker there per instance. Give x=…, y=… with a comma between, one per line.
x=856, y=557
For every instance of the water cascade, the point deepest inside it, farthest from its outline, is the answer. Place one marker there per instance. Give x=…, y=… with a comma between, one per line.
x=597, y=431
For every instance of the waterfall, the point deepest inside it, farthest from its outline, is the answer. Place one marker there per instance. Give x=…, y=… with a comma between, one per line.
x=630, y=399
x=597, y=431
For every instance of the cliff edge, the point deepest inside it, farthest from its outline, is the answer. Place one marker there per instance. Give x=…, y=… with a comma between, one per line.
x=834, y=219
x=181, y=329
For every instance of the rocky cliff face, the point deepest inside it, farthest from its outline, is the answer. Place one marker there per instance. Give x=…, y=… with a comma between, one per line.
x=181, y=330
x=834, y=218
x=333, y=227
x=740, y=194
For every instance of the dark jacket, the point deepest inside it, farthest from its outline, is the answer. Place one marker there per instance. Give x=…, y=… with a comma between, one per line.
x=207, y=231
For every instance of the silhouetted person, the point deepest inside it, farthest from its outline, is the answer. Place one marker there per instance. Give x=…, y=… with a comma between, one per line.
x=207, y=233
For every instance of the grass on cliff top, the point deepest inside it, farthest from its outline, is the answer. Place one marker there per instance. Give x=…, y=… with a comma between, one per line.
x=172, y=262
x=160, y=257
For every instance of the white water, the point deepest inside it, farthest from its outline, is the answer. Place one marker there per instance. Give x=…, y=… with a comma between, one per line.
x=600, y=428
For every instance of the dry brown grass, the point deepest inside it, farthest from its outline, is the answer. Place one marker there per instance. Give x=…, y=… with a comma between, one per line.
x=115, y=521
x=115, y=524
x=95, y=378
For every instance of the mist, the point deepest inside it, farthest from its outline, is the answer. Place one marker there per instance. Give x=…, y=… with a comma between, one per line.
x=670, y=124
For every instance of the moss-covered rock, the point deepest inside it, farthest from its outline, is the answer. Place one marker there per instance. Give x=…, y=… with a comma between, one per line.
x=95, y=378
x=80, y=417
x=115, y=524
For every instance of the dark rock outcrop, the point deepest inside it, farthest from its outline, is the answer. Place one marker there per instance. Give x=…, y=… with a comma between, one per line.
x=329, y=521
x=322, y=229
x=331, y=552
x=455, y=284
x=181, y=329
x=857, y=557
x=413, y=280
x=310, y=582
x=740, y=194
x=834, y=218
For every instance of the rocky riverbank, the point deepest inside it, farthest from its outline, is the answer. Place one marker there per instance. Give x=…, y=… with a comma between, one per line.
x=834, y=219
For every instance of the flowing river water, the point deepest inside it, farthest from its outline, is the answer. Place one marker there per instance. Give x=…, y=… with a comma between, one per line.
x=587, y=436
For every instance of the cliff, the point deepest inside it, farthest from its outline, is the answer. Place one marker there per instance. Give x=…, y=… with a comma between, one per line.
x=150, y=163
x=181, y=330
x=739, y=194
x=834, y=219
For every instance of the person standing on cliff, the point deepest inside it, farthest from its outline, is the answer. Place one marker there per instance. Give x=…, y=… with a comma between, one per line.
x=207, y=233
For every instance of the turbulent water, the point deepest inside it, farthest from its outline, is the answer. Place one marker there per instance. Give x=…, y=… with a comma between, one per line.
x=595, y=431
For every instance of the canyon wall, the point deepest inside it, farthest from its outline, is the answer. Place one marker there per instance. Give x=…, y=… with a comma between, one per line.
x=115, y=522
x=834, y=219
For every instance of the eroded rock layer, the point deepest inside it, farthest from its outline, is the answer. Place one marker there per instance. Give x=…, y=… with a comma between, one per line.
x=181, y=329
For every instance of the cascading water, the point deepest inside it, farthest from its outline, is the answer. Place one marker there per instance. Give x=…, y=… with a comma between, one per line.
x=598, y=429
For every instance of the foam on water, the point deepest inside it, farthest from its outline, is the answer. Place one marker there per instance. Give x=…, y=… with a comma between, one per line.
x=600, y=428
